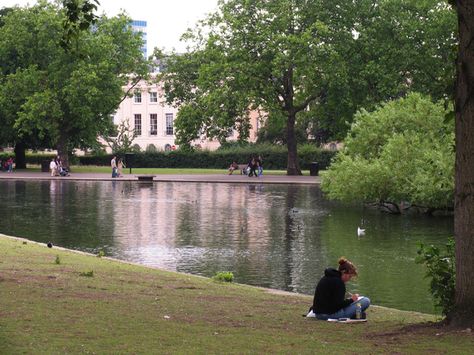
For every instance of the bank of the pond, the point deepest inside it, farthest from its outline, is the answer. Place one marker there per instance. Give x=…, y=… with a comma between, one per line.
x=58, y=301
x=176, y=175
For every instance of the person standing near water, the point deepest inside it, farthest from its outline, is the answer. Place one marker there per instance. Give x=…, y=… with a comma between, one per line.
x=113, y=164
x=329, y=297
x=53, y=167
x=120, y=166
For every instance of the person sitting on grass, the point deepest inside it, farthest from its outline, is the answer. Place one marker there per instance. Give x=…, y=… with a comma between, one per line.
x=329, y=297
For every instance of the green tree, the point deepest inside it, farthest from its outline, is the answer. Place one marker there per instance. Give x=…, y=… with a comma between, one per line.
x=7, y=132
x=69, y=95
x=388, y=49
x=400, y=154
x=273, y=55
x=315, y=62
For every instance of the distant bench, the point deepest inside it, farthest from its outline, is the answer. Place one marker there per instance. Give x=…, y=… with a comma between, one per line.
x=241, y=168
x=145, y=177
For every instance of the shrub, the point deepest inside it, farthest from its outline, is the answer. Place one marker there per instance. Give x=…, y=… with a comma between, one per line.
x=441, y=269
x=223, y=276
x=31, y=158
x=401, y=152
x=274, y=158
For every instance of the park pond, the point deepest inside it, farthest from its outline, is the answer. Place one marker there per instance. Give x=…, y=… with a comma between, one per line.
x=277, y=236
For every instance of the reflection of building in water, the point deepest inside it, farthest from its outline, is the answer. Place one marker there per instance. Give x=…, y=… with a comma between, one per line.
x=166, y=216
x=143, y=218
x=204, y=228
x=230, y=222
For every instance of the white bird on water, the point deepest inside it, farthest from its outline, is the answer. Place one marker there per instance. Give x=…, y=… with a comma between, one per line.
x=360, y=232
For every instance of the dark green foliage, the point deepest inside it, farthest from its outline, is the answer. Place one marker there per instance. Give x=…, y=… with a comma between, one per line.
x=35, y=159
x=273, y=159
x=441, y=268
x=273, y=131
x=79, y=17
x=6, y=155
x=50, y=98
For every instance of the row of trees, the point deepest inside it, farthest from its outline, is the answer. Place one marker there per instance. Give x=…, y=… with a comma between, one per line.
x=309, y=65
x=61, y=75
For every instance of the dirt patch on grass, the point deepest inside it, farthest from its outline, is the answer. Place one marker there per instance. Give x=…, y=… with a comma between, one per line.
x=187, y=288
x=417, y=331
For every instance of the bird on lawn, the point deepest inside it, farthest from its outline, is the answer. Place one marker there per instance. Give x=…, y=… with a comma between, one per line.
x=50, y=245
x=360, y=232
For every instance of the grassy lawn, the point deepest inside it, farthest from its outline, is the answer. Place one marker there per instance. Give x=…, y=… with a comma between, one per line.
x=158, y=171
x=53, y=308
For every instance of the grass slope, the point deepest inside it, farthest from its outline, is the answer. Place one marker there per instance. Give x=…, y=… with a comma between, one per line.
x=50, y=308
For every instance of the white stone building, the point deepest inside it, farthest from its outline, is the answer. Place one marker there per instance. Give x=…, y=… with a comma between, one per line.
x=147, y=113
x=153, y=120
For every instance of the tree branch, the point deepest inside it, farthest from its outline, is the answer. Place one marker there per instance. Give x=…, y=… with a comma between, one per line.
x=320, y=95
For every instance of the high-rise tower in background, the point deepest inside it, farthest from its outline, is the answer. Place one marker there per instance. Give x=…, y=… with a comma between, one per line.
x=140, y=26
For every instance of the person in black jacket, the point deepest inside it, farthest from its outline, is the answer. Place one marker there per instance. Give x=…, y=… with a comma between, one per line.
x=253, y=166
x=329, y=297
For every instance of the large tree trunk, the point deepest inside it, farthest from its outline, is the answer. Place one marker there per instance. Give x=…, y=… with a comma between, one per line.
x=63, y=151
x=463, y=314
x=20, y=155
x=293, y=167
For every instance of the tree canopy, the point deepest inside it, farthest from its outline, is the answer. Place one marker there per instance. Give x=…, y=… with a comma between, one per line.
x=387, y=49
x=255, y=54
x=401, y=153
x=59, y=98
x=315, y=62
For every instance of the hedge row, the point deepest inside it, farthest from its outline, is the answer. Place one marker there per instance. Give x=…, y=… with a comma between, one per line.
x=216, y=159
x=31, y=158
x=273, y=158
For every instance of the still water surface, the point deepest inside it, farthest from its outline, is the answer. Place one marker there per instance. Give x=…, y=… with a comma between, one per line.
x=279, y=236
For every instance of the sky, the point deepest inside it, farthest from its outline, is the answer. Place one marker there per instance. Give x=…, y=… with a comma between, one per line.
x=166, y=20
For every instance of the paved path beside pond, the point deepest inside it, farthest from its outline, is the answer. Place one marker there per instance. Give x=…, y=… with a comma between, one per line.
x=215, y=178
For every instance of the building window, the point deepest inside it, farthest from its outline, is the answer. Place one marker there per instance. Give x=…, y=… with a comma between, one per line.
x=169, y=124
x=153, y=124
x=153, y=97
x=138, y=124
x=137, y=97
